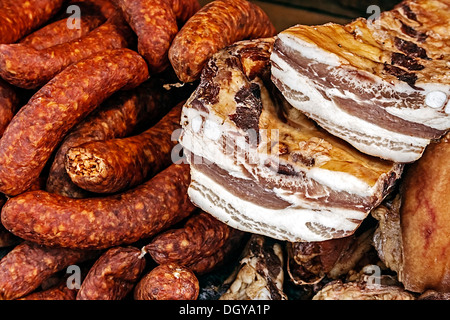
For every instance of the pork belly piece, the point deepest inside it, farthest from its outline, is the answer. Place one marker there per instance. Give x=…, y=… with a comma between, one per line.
x=383, y=85
x=261, y=166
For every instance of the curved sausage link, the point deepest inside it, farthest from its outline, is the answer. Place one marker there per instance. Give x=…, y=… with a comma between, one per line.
x=118, y=164
x=202, y=235
x=26, y=266
x=19, y=18
x=213, y=27
x=118, y=117
x=28, y=68
x=168, y=282
x=156, y=23
x=101, y=222
x=39, y=126
x=58, y=32
x=113, y=275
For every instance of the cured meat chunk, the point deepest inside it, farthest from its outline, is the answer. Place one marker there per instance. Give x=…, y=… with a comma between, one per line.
x=382, y=85
x=261, y=166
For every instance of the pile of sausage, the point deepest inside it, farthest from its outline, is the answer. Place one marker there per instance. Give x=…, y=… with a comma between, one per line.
x=90, y=97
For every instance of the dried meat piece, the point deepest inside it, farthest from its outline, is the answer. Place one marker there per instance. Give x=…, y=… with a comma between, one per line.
x=260, y=275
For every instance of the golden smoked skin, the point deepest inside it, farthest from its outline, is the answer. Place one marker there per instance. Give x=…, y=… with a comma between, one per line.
x=425, y=217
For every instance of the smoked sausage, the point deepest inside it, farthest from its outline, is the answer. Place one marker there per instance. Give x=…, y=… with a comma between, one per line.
x=39, y=126
x=28, y=68
x=117, y=117
x=101, y=222
x=9, y=103
x=168, y=282
x=216, y=25
x=117, y=164
x=58, y=32
x=156, y=23
x=19, y=18
x=113, y=275
x=58, y=292
x=104, y=7
x=26, y=266
x=202, y=235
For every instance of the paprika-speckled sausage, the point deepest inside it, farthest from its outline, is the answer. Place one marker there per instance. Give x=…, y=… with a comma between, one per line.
x=168, y=282
x=38, y=128
x=58, y=292
x=230, y=250
x=9, y=102
x=101, y=222
x=60, y=32
x=113, y=275
x=184, y=9
x=118, y=117
x=156, y=23
x=201, y=236
x=216, y=25
x=26, y=266
x=19, y=18
x=28, y=68
x=104, y=7
x=117, y=164
x=7, y=239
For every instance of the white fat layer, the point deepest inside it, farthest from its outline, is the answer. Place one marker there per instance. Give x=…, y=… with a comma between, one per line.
x=203, y=146
x=310, y=50
x=430, y=116
x=389, y=145
x=341, y=181
x=290, y=224
x=426, y=116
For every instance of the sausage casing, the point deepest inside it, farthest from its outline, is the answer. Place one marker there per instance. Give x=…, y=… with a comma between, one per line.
x=26, y=266
x=58, y=292
x=104, y=7
x=19, y=18
x=113, y=275
x=155, y=24
x=117, y=117
x=9, y=102
x=216, y=25
x=224, y=254
x=28, y=68
x=168, y=282
x=101, y=222
x=38, y=128
x=202, y=235
x=184, y=9
x=117, y=164
x=58, y=32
